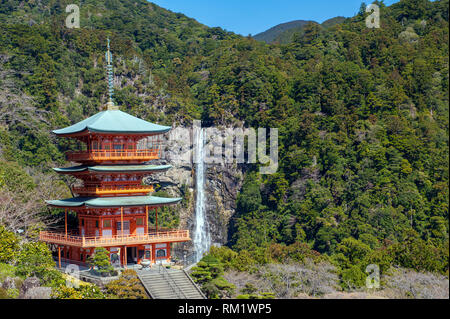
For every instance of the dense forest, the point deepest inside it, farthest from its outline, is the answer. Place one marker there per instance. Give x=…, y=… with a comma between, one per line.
x=362, y=116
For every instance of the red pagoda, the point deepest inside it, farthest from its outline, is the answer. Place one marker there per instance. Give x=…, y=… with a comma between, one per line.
x=113, y=205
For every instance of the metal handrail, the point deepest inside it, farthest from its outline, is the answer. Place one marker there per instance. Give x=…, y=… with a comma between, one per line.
x=195, y=285
x=171, y=282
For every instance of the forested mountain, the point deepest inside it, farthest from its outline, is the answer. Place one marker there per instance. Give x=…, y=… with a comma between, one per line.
x=270, y=35
x=284, y=33
x=362, y=116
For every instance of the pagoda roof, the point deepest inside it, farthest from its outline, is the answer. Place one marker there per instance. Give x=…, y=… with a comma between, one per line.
x=113, y=121
x=112, y=168
x=113, y=201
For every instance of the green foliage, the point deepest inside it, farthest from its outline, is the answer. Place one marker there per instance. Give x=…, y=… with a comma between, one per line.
x=9, y=246
x=6, y=270
x=35, y=259
x=415, y=253
x=250, y=292
x=225, y=255
x=4, y=294
x=128, y=286
x=83, y=292
x=101, y=263
x=14, y=178
x=353, y=277
x=208, y=274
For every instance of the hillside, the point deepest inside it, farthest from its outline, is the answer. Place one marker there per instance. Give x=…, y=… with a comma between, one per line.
x=362, y=117
x=284, y=33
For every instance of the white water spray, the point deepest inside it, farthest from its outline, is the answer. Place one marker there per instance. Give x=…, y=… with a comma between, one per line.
x=202, y=238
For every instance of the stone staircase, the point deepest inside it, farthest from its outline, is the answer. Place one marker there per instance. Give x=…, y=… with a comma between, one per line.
x=162, y=283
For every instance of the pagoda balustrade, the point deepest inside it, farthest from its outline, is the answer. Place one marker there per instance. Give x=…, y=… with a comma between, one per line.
x=101, y=183
x=113, y=155
x=100, y=241
x=117, y=189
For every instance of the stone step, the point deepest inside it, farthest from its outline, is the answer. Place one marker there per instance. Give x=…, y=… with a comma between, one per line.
x=173, y=284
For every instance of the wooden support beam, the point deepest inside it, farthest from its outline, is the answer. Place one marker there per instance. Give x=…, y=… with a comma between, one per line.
x=156, y=223
x=125, y=257
x=65, y=219
x=168, y=252
x=146, y=219
x=121, y=220
x=59, y=256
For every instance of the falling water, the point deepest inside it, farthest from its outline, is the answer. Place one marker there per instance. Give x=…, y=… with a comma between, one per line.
x=201, y=232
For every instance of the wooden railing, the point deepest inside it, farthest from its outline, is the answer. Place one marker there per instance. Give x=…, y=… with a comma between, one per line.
x=113, y=155
x=113, y=189
x=79, y=241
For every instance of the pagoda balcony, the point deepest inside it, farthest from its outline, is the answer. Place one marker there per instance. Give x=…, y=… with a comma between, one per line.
x=113, y=155
x=113, y=190
x=61, y=238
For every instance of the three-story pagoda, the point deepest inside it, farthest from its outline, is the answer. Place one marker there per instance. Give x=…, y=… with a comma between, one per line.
x=113, y=205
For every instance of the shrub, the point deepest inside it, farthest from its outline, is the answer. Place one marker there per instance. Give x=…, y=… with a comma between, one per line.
x=35, y=259
x=83, y=292
x=128, y=286
x=101, y=263
x=9, y=245
x=352, y=278
x=208, y=273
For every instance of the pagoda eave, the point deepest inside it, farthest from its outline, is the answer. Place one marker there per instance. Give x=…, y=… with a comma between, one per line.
x=112, y=122
x=113, y=202
x=107, y=133
x=142, y=168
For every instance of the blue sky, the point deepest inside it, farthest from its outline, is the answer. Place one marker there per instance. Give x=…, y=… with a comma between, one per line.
x=254, y=16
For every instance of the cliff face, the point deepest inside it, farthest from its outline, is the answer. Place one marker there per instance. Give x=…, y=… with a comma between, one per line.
x=222, y=184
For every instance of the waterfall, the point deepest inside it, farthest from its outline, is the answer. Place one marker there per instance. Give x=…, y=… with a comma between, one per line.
x=202, y=238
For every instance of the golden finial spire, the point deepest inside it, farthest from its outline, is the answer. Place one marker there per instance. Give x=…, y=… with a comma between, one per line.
x=110, y=78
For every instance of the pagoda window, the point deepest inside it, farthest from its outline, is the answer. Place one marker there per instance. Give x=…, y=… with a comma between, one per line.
x=130, y=144
x=139, y=221
x=126, y=227
x=95, y=145
x=118, y=146
x=106, y=145
x=161, y=253
x=107, y=223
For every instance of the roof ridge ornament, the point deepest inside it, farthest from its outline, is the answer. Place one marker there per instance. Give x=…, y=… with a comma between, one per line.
x=110, y=78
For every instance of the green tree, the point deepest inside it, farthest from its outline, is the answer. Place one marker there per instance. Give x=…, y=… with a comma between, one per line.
x=9, y=246
x=101, y=263
x=35, y=259
x=208, y=274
